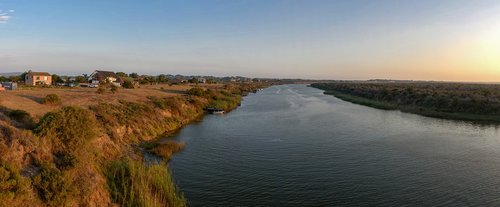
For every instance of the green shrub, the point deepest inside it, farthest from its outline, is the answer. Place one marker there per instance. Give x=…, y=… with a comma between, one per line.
x=68, y=128
x=128, y=84
x=11, y=182
x=132, y=183
x=160, y=103
x=51, y=186
x=196, y=91
x=51, y=99
x=65, y=160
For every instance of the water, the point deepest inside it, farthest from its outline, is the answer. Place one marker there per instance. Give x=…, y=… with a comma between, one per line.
x=293, y=146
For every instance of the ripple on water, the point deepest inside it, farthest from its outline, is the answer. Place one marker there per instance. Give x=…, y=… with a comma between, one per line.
x=293, y=146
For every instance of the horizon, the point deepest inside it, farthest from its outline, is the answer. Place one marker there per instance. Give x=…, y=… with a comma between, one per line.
x=456, y=41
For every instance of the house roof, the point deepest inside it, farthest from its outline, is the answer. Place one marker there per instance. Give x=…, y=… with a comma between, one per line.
x=101, y=75
x=39, y=73
x=106, y=73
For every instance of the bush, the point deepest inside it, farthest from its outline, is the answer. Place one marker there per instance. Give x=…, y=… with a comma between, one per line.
x=65, y=160
x=68, y=128
x=51, y=99
x=11, y=183
x=128, y=84
x=132, y=183
x=51, y=186
x=197, y=91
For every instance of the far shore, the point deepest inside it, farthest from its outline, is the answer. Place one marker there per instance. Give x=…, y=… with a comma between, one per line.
x=477, y=118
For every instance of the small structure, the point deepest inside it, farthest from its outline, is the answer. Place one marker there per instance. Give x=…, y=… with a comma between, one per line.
x=100, y=76
x=215, y=110
x=202, y=80
x=9, y=85
x=37, y=78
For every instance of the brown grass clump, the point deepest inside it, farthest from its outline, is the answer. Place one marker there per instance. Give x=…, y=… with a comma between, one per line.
x=165, y=150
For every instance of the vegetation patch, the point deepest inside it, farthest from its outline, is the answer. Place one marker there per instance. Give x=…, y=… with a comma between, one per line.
x=51, y=99
x=128, y=84
x=21, y=118
x=132, y=183
x=52, y=187
x=68, y=128
x=167, y=149
x=12, y=184
x=471, y=102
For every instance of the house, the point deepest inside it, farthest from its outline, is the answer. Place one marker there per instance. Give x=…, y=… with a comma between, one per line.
x=100, y=76
x=202, y=80
x=37, y=78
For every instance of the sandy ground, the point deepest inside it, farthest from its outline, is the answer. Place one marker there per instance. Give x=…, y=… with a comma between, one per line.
x=29, y=99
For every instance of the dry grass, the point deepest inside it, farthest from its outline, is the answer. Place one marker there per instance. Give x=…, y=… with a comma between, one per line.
x=30, y=99
x=165, y=150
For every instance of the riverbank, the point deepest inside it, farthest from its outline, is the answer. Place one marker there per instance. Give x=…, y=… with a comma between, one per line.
x=419, y=99
x=88, y=156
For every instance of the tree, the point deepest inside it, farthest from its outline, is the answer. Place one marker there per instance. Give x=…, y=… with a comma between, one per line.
x=80, y=79
x=15, y=78
x=23, y=76
x=57, y=79
x=162, y=78
x=193, y=80
x=133, y=75
x=121, y=74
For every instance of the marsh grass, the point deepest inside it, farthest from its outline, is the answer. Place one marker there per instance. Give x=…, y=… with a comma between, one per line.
x=132, y=183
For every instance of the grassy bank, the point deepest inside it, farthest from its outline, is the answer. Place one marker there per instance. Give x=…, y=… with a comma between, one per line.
x=88, y=156
x=444, y=113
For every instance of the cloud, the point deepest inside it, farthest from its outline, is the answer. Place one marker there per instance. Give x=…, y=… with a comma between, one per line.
x=4, y=16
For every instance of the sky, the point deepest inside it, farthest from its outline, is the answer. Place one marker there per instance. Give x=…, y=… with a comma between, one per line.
x=457, y=40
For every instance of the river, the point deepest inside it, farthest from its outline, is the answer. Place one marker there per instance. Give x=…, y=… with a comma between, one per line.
x=290, y=145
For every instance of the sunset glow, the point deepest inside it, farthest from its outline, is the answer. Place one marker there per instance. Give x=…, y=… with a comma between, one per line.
x=323, y=39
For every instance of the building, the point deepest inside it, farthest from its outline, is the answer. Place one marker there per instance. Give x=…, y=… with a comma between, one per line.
x=202, y=80
x=37, y=78
x=100, y=76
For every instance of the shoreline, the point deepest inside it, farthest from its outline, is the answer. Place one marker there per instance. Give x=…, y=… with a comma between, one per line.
x=90, y=147
x=474, y=118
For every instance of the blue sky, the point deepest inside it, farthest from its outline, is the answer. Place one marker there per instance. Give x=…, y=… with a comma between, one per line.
x=328, y=39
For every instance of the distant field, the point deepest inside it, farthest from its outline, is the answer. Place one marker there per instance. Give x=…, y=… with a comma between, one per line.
x=29, y=99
